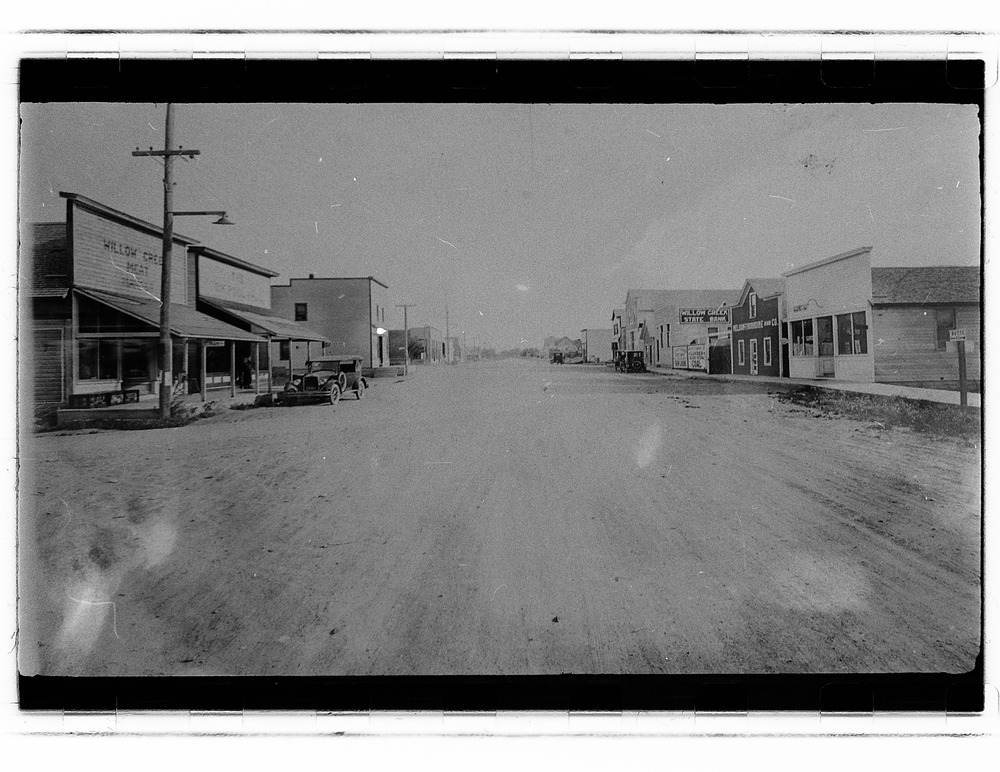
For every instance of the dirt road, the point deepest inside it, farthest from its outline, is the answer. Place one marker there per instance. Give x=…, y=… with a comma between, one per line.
x=503, y=518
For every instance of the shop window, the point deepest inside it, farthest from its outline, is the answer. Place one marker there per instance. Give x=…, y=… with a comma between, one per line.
x=301, y=312
x=802, y=338
x=753, y=305
x=945, y=319
x=284, y=350
x=741, y=348
x=767, y=351
x=98, y=360
x=852, y=333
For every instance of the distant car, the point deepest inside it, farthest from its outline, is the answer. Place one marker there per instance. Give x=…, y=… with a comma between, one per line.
x=557, y=358
x=631, y=361
x=325, y=380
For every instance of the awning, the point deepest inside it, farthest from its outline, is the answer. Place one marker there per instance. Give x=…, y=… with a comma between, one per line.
x=275, y=326
x=185, y=322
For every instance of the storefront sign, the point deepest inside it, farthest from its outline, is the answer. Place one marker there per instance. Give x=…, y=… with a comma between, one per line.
x=229, y=282
x=757, y=324
x=697, y=357
x=214, y=343
x=703, y=316
x=680, y=357
x=113, y=257
x=958, y=334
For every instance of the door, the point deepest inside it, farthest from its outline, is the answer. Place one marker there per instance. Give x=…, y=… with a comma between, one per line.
x=753, y=357
x=824, y=343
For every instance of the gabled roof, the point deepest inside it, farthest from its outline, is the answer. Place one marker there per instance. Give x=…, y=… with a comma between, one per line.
x=47, y=272
x=765, y=288
x=262, y=320
x=940, y=284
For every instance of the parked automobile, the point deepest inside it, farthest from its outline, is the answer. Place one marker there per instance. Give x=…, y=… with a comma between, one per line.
x=326, y=380
x=631, y=361
x=557, y=358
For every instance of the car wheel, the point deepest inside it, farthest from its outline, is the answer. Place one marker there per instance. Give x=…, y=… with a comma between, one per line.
x=361, y=389
x=342, y=381
x=334, y=394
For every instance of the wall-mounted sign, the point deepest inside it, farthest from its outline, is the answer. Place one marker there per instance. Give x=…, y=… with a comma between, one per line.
x=958, y=334
x=679, y=357
x=757, y=324
x=697, y=356
x=113, y=257
x=229, y=282
x=703, y=316
x=215, y=343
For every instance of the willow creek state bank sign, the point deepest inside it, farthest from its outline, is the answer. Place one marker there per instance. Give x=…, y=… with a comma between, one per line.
x=117, y=258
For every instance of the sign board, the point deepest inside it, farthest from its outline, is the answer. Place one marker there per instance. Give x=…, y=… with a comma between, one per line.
x=958, y=334
x=697, y=356
x=680, y=357
x=703, y=316
x=229, y=282
x=112, y=256
x=215, y=343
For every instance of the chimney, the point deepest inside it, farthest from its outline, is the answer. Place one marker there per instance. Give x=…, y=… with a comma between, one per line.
x=312, y=276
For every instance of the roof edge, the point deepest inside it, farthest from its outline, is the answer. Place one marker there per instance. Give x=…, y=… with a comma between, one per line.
x=827, y=260
x=126, y=219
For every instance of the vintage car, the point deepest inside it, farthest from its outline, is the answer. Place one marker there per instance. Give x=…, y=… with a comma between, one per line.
x=630, y=361
x=325, y=381
x=557, y=357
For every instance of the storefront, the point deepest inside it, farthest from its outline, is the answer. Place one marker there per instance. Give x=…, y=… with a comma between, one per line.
x=829, y=315
x=757, y=329
x=94, y=287
x=239, y=293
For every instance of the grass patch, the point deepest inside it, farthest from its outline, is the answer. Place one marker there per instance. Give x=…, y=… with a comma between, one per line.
x=891, y=412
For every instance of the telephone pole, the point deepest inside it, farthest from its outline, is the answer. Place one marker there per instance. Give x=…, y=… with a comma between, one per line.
x=166, y=347
x=447, y=340
x=406, y=339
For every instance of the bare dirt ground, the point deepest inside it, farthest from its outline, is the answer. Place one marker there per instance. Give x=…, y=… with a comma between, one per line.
x=502, y=518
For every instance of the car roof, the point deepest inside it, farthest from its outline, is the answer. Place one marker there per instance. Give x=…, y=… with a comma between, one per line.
x=335, y=358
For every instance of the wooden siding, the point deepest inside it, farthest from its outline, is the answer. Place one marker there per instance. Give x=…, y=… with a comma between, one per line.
x=904, y=341
x=46, y=369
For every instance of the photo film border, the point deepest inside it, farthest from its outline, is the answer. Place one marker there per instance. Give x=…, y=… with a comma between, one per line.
x=721, y=80
x=847, y=693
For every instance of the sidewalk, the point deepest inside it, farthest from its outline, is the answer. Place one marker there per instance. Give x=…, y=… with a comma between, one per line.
x=882, y=389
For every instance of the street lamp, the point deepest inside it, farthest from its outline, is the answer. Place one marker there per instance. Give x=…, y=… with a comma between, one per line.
x=166, y=347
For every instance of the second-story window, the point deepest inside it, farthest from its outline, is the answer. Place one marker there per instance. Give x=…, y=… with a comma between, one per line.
x=301, y=312
x=753, y=305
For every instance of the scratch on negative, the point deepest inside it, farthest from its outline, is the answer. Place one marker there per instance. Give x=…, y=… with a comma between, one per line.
x=782, y=198
x=895, y=128
x=654, y=133
x=69, y=512
x=136, y=279
x=497, y=590
x=114, y=610
x=448, y=243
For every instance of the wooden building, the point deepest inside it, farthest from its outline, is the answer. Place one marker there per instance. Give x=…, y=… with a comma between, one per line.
x=757, y=329
x=849, y=321
x=91, y=288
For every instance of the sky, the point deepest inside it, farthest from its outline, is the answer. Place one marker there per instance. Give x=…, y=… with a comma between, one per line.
x=529, y=220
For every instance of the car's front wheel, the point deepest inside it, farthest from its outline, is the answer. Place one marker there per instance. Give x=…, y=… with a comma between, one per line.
x=334, y=394
x=361, y=389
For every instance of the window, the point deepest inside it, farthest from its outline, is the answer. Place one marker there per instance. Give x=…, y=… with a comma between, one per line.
x=98, y=360
x=741, y=348
x=301, y=313
x=767, y=351
x=284, y=350
x=945, y=319
x=661, y=336
x=668, y=334
x=852, y=333
x=753, y=305
x=802, y=338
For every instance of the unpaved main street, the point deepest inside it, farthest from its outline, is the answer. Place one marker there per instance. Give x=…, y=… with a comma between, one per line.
x=512, y=517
